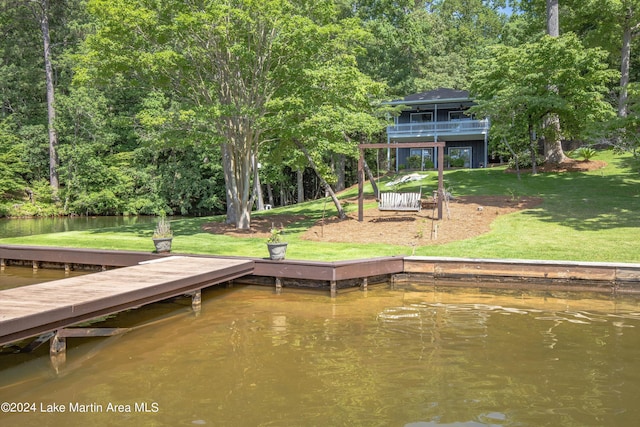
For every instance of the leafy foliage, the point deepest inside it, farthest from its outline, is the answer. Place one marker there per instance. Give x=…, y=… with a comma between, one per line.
x=585, y=153
x=152, y=96
x=512, y=88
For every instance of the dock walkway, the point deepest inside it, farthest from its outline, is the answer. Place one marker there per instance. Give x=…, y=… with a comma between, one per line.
x=37, y=309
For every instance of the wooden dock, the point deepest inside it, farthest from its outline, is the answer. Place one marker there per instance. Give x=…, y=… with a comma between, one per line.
x=142, y=277
x=33, y=310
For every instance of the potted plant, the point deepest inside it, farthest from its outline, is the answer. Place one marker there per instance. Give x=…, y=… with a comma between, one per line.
x=277, y=248
x=162, y=236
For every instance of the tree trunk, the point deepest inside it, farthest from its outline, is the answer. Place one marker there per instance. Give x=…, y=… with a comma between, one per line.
x=340, y=160
x=51, y=110
x=371, y=178
x=257, y=187
x=300, y=185
x=245, y=203
x=553, y=22
x=553, y=152
x=629, y=33
x=230, y=184
x=323, y=182
x=533, y=146
x=270, y=195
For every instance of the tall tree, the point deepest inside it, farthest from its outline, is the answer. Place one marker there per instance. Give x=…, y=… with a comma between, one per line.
x=553, y=151
x=512, y=84
x=618, y=27
x=227, y=63
x=331, y=100
x=41, y=12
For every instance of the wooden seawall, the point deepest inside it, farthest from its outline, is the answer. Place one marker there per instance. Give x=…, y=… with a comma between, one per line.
x=612, y=278
x=132, y=279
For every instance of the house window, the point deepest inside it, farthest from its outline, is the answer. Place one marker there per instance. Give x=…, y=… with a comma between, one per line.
x=421, y=117
x=459, y=157
x=457, y=115
x=420, y=159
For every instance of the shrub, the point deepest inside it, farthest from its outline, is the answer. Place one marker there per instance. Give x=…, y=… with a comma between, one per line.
x=454, y=162
x=414, y=162
x=586, y=153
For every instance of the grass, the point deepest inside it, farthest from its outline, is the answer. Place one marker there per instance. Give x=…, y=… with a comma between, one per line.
x=590, y=216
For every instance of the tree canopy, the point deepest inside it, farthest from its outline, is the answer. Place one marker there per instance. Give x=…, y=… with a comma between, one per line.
x=511, y=86
x=209, y=106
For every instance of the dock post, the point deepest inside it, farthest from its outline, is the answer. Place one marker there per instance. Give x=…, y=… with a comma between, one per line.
x=365, y=283
x=34, y=265
x=67, y=268
x=3, y=264
x=278, y=285
x=58, y=351
x=334, y=288
x=196, y=301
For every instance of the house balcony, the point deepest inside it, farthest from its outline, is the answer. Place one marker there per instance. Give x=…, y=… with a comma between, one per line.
x=450, y=130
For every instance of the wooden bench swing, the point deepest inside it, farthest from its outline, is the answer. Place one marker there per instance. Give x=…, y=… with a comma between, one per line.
x=401, y=201
x=391, y=201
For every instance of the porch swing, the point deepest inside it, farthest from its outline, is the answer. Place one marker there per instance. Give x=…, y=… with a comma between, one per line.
x=390, y=201
x=397, y=201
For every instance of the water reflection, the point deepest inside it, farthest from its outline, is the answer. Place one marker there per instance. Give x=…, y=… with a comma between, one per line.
x=252, y=358
x=32, y=226
x=14, y=277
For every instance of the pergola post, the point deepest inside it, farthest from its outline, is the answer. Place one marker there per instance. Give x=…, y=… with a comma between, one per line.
x=361, y=185
x=440, y=180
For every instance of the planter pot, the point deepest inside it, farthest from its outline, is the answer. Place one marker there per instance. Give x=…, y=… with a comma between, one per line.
x=277, y=251
x=162, y=244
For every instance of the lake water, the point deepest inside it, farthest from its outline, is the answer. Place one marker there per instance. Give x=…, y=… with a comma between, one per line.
x=31, y=226
x=13, y=277
x=377, y=358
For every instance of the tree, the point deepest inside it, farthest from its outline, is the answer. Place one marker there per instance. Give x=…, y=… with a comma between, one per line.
x=12, y=168
x=331, y=102
x=422, y=45
x=552, y=140
x=619, y=26
x=511, y=85
x=227, y=63
x=41, y=11
x=630, y=30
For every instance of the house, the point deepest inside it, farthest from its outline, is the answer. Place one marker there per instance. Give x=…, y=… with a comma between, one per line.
x=439, y=115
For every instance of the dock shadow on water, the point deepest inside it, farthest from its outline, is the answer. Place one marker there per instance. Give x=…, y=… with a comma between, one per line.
x=382, y=357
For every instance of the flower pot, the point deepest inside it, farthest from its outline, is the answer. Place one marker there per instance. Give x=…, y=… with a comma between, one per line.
x=162, y=244
x=277, y=251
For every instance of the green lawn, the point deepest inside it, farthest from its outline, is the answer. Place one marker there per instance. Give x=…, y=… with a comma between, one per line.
x=584, y=217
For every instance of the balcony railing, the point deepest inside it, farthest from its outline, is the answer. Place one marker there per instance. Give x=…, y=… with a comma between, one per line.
x=454, y=127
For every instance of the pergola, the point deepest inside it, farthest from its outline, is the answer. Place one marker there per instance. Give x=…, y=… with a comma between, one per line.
x=439, y=145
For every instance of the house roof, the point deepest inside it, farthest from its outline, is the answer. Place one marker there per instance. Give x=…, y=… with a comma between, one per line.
x=433, y=96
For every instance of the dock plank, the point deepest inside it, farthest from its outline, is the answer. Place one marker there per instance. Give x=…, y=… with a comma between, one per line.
x=31, y=310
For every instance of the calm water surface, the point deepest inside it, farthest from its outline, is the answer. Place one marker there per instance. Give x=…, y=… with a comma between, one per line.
x=13, y=277
x=32, y=226
x=378, y=358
